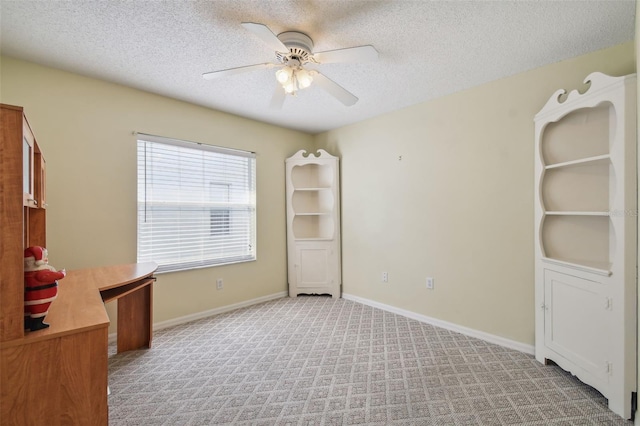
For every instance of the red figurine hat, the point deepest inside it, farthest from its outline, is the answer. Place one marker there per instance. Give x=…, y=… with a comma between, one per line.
x=36, y=252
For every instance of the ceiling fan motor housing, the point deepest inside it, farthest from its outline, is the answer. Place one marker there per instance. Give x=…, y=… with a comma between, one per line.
x=300, y=47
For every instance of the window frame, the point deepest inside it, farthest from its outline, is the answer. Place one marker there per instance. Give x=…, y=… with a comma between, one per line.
x=247, y=227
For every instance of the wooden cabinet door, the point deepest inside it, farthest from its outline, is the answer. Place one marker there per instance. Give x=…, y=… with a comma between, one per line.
x=40, y=179
x=28, y=154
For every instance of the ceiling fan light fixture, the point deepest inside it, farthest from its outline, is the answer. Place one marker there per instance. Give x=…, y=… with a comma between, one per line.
x=283, y=75
x=293, y=79
x=289, y=87
x=304, y=78
x=294, y=50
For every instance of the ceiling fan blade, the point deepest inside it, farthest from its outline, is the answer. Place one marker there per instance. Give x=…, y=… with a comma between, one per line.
x=266, y=35
x=350, y=54
x=238, y=70
x=334, y=89
x=277, y=100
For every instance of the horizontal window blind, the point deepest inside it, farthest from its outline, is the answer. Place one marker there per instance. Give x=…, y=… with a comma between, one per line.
x=196, y=204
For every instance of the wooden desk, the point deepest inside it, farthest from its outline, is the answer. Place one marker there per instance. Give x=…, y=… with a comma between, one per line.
x=132, y=287
x=59, y=375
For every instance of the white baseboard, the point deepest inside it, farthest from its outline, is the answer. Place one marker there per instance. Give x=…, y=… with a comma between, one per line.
x=204, y=314
x=491, y=338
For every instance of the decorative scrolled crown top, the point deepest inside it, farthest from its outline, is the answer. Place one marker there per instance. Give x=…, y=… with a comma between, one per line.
x=596, y=81
x=303, y=154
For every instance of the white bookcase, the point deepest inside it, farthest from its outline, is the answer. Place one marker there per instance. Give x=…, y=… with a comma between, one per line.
x=313, y=223
x=585, y=235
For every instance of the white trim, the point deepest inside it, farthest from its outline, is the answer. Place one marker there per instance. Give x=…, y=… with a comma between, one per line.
x=216, y=311
x=491, y=338
x=190, y=144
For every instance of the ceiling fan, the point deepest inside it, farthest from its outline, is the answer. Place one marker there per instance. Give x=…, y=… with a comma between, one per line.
x=294, y=51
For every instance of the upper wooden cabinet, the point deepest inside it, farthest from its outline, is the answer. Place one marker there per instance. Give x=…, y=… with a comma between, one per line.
x=39, y=179
x=28, y=166
x=22, y=214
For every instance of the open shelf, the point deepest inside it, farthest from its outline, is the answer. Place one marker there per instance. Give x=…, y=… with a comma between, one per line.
x=583, y=133
x=576, y=213
x=313, y=226
x=604, y=157
x=600, y=268
x=581, y=187
x=118, y=292
x=312, y=176
x=579, y=239
x=316, y=201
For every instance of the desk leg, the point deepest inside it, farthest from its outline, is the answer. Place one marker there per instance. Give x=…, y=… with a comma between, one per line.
x=135, y=319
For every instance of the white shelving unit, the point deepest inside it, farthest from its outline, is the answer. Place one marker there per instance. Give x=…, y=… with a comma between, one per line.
x=313, y=224
x=585, y=235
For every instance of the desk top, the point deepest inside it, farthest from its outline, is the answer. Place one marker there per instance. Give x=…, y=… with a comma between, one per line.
x=107, y=277
x=79, y=306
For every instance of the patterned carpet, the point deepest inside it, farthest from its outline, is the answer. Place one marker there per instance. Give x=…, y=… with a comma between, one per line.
x=322, y=361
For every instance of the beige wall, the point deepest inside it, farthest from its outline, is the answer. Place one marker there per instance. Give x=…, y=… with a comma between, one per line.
x=442, y=189
x=85, y=126
x=445, y=189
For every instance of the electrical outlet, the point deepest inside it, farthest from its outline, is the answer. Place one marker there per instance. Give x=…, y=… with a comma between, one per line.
x=219, y=284
x=385, y=277
x=430, y=282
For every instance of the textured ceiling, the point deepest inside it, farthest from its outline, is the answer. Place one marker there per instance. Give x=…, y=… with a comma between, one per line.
x=427, y=48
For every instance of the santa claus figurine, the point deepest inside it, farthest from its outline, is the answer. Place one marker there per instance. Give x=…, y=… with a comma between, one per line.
x=40, y=287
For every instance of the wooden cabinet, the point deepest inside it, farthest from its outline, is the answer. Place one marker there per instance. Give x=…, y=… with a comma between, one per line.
x=17, y=148
x=58, y=375
x=313, y=224
x=585, y=236
x=57, y=379
x=23, y=212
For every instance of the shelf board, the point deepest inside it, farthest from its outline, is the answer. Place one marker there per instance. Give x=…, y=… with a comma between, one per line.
x=576, y=213
x=319, y=188
x=313, y=214
x=578, y=162
x=314, y=239
x=600, y=268
x=118, y=292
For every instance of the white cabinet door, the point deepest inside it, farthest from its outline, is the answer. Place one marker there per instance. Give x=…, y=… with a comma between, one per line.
x=578, y=326
x=315, y=266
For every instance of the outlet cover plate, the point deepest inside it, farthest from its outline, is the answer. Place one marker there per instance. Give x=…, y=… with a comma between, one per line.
x=430, y=283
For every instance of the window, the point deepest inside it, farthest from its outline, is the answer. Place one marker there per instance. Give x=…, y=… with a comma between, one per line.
x=196, y=204
x=219, y=216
